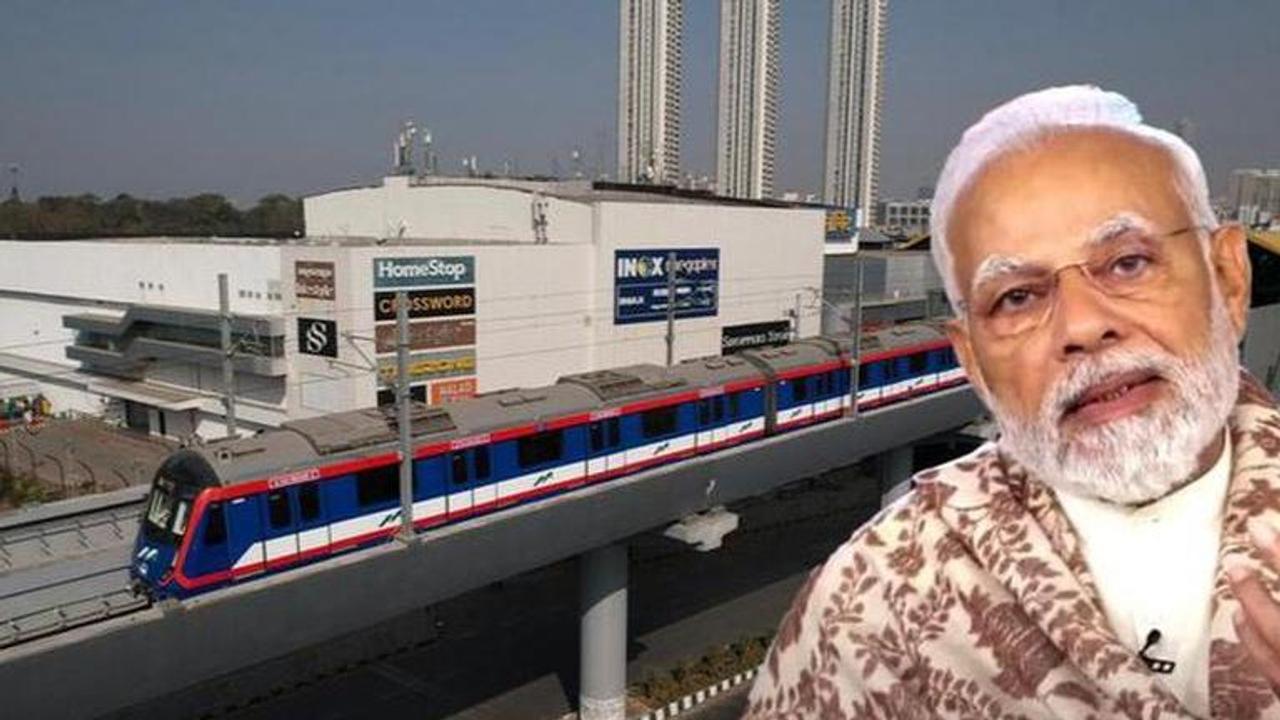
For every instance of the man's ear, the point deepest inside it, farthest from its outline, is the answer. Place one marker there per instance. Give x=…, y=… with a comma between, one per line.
x=1229, y=262
x=958, y=333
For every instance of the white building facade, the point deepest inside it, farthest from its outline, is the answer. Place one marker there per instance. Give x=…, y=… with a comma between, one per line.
x=650, y=47
x=855, y=72
x=508, y=285
x=747, y=108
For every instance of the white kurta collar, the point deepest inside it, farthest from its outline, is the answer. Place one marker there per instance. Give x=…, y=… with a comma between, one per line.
x=1154, y=568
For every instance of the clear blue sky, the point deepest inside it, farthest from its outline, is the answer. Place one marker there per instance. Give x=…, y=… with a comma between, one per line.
x=161, y=98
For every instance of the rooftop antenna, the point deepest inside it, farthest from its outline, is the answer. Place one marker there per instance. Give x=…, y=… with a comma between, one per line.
x=428, y=157
x=402, y=151
x=575, y=157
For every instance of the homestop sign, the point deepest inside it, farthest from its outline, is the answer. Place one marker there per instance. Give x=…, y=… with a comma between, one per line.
x=640, y=284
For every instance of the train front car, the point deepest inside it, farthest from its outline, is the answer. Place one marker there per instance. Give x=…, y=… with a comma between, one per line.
x=166, y=520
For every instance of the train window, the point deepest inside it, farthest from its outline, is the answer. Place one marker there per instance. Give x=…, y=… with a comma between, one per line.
x=615, y=432
x=458, y=463
x=799, y=389
x=704, y=411
x=278, y=509
x=482, y=462
x=918, y=363
x=378, y=485
x=215, y=529
x=309, y=501
x=717, y=407
x=735, y=405
x=539, y=449
x=180, y=518
x=596, y=431
x=657, y=422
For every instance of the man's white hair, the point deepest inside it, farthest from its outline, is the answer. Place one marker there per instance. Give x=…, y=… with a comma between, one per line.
x=1025, y=121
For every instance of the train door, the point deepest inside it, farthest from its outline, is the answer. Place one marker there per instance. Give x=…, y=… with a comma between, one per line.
x=245, y=524
x=921, y=376
x=313, y=521
x=461, y=486
x=280, y=531
x=711, y=427
x=604, y=449
x=484, y=489
x=209, y=553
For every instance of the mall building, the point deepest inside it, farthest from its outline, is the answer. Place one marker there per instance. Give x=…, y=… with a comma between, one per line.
x=509, y=283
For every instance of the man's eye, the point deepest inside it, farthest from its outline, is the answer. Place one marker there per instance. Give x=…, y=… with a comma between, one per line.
x=1013, y=301
x=1128, y=267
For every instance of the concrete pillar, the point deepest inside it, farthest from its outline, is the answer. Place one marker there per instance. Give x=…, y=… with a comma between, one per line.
x=895, y=473
x=602, y=693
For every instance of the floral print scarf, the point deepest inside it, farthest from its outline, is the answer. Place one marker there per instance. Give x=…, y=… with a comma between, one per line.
x=970, y=598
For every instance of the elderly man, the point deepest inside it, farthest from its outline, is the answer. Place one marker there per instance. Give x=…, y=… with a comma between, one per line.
x=1110, y=554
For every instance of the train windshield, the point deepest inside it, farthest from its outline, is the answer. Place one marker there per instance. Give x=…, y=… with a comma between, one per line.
x=167, y=512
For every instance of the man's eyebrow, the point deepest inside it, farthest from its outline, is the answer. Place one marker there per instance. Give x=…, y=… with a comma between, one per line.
x=998, y=266
x=1114, y=227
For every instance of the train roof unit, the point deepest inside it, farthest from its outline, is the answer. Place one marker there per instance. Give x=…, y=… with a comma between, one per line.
x=784, y=360
x=897, y=337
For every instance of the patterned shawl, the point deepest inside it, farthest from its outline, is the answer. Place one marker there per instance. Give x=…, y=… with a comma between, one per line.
x=970, y=598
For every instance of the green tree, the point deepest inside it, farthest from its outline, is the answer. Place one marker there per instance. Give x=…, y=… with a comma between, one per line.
x=275, y=216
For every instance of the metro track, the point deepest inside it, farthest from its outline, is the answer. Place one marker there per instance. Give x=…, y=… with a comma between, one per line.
x=65, y=564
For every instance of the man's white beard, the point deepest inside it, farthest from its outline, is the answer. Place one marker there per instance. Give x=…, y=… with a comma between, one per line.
x=1140, y=457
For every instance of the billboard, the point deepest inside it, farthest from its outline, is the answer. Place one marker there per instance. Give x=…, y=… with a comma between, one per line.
x=442, y=302
x=314, y=280
x=640, y=279
x=450, y=390
x=840, y=225
x=436, y=286
x=421, y=271
x=752, y=335
x=430, y=366
x=318, y=337
x=428, y=335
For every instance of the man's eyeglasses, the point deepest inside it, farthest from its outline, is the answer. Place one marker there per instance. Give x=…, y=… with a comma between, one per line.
x=1015, y=298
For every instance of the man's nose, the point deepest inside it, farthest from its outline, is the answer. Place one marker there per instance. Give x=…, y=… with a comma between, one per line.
x=1082, y=318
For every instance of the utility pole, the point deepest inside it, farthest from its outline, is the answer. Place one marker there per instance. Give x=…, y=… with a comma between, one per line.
x=228, y=370
x=857, y=335
x=402, y=407
x=671, y=307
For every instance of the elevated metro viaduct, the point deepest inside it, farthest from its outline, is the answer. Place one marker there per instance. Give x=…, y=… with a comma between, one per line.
x=118, y=663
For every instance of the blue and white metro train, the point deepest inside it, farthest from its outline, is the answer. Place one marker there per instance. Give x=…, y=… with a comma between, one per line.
x=237, y=510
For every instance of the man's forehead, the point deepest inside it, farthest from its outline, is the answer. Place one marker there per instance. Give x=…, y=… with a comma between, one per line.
x=1051, y=199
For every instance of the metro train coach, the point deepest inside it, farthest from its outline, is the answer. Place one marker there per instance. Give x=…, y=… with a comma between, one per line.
x=235, y=510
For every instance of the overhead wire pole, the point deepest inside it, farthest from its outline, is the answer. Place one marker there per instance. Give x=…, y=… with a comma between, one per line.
x=671, y=307
x=228, y=370
x=402, y=408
